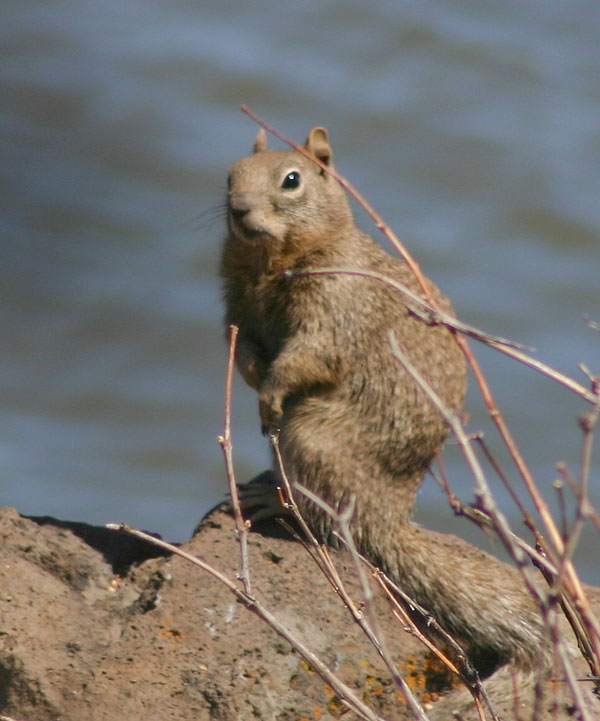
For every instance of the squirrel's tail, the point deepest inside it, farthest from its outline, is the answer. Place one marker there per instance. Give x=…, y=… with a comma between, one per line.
x=481, y=601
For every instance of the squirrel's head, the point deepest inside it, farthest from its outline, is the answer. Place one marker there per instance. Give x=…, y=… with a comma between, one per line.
x=283, y=199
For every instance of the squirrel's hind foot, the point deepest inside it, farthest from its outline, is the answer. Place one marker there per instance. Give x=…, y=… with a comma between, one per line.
x=259, y=498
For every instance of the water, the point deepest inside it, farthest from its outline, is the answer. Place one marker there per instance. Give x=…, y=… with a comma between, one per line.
x=472, y=127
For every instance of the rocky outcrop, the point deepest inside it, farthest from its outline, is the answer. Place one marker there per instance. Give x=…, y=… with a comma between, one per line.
x=95, y=625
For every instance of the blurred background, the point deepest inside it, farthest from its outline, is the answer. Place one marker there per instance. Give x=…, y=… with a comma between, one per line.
x=472, y=127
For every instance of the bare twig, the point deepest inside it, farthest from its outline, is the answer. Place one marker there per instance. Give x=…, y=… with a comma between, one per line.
x=483, y=520
x=559, y=487
x=571, y=678
x=227, y=446
x=317, y=551
x=549, y=372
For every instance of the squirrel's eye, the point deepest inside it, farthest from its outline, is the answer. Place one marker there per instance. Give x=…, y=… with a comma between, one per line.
x=291, y=180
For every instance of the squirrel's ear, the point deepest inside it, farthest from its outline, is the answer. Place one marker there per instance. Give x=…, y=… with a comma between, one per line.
x=260, y=143
x=318, y=145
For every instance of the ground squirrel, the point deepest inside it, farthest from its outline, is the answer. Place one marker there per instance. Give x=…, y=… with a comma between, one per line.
x=352, y=422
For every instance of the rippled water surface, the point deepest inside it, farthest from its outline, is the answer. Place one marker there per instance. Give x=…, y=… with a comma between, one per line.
x=473, y=128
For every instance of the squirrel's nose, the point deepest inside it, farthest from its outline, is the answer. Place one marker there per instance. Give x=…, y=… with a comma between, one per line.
x=240, y=203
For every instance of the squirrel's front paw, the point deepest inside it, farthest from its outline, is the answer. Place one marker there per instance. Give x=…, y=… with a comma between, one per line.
x=270, y=406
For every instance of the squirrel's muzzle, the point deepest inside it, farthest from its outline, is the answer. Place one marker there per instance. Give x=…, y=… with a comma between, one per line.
x=241, y=203
x=247, y=218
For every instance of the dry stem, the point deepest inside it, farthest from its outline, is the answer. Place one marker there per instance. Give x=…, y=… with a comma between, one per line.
x=226, y=444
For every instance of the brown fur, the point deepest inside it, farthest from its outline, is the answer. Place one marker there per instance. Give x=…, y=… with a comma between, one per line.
x=352, y=422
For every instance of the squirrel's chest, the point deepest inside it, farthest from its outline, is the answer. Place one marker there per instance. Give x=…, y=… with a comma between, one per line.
x=279, y=305
x=270, y=299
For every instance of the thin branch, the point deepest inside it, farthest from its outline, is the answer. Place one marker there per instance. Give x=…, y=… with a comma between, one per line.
x=588, y=424
x=546, y=370
x=588, y=648
x=401, y=601
x=310, y=542
x=227, y=446
x=571, y=678
x=563, y=522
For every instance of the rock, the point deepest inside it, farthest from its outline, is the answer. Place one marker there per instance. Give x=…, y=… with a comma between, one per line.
x=97, y=625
